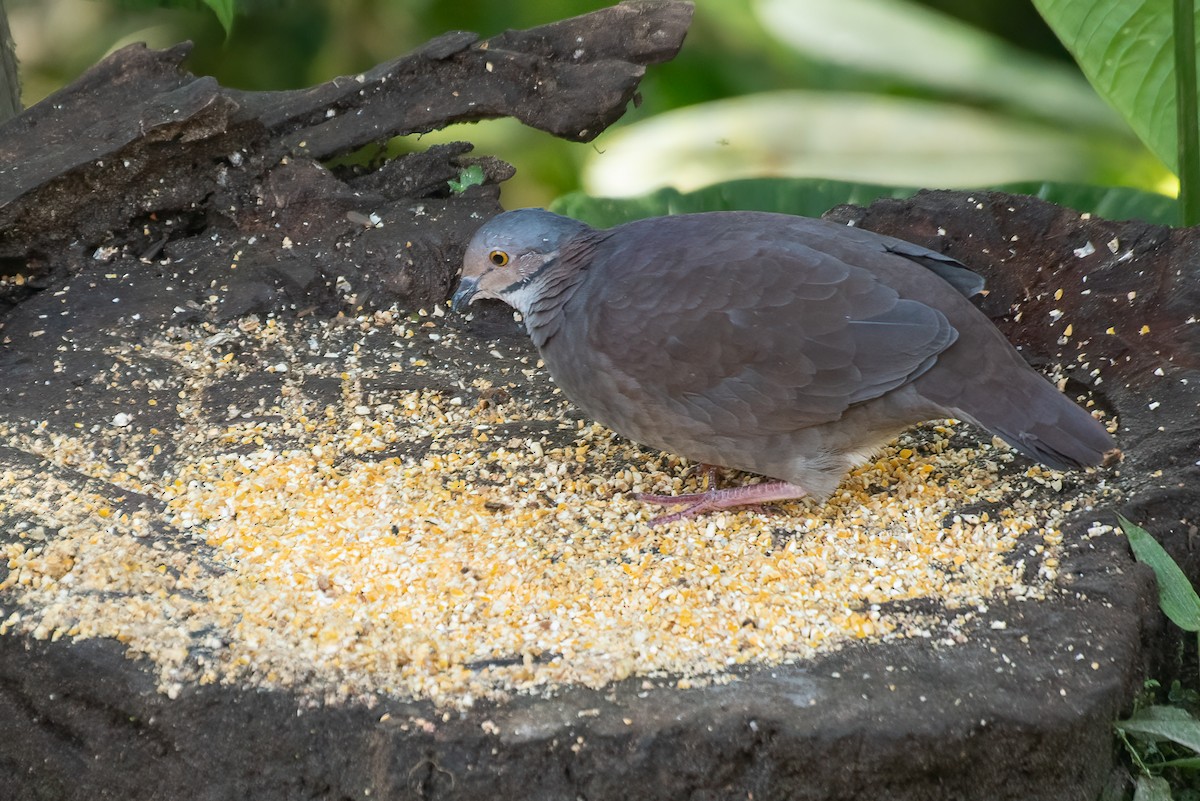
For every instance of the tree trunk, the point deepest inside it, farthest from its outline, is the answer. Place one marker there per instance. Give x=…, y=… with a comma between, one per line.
x=10, y=80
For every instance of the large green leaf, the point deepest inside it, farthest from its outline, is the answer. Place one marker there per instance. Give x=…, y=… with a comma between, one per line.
x=1165, y=723
x=813, y=197
x=923, y=47
x=224, y=11
x=805, y=196
x=846, y=136
x=1109, y=202
x=1124, y=47
x=1152, y=788
x=1176, y=596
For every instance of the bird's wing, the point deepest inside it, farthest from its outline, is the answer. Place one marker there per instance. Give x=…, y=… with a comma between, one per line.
x=730, y=323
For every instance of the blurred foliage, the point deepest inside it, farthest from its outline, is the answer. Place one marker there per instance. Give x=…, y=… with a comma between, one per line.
x=1134, y=54
x=735, y=49
x=1126, y=50
x=812, y=197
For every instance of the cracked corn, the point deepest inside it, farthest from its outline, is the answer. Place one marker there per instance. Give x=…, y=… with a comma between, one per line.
x=404, y=509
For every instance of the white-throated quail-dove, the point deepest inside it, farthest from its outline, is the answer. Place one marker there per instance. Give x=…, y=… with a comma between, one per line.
x=785, y=346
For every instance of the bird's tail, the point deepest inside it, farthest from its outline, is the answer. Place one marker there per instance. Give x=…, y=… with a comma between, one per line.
x=1031, y=415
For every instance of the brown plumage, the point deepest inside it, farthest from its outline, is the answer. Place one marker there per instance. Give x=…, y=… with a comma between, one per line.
x=785, y=346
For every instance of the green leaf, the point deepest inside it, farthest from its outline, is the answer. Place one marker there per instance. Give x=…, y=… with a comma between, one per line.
x=913, y=43
x=848, y=136
x=1125, y=48
x=1187, y=121
x=812, y=197
x=224, y=11
x=1152, y=788
x=1165, y=723
x=806, y=196
x=1109, y=202
x=1176, y=596
x=467, y=177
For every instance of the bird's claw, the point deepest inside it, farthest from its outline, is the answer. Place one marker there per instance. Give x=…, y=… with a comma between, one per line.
x=714, y=500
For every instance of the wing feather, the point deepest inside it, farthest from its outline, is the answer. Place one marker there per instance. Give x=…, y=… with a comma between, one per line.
x=729, y=322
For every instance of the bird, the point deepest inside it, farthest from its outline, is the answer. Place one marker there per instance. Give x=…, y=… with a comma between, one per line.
x=785, y=346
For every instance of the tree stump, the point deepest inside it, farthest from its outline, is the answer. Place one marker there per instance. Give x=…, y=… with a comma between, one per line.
x=180, y=269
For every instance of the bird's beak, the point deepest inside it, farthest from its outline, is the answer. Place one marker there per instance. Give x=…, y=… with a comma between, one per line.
x=465, y=294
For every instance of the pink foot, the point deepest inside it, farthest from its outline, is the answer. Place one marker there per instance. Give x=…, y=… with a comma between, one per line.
x=712, y=500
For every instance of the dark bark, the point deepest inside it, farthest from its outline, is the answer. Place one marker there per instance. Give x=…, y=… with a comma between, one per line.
x=139, y=160
x=10, y=77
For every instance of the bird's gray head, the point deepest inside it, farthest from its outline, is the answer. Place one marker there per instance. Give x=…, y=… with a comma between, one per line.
x=507, y=254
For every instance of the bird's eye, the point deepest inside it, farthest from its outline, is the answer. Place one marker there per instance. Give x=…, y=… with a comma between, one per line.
x=498, y=258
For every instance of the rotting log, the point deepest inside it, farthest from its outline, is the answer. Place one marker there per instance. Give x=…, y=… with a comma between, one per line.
x=194, y=205
x=138, y=162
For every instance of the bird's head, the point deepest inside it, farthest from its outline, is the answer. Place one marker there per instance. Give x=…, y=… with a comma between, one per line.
x=509, y=252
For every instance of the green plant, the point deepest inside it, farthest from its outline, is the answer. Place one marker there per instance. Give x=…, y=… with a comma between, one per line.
x=814, y=196
x=966, y=95
x=1134, y=54
x=467, y=177
x=1164, y=738
x=1176, y=596
x=223, y=9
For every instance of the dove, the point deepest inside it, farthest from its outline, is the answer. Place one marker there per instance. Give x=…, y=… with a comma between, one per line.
x=784, y=346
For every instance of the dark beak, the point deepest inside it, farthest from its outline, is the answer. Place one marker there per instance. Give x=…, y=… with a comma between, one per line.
x=466, y=291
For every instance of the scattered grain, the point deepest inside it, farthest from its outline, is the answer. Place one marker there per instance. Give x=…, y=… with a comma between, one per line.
x=473, y=538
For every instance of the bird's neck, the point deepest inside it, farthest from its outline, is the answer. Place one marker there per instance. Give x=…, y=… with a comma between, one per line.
x=541, y=301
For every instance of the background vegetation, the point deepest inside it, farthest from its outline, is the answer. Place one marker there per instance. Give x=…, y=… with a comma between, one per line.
x=895, y=92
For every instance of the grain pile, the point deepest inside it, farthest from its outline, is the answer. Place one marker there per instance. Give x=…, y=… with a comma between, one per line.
x=391, y=504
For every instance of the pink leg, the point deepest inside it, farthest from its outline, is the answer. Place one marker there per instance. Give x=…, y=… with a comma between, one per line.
x=712, y=500
x=710, y=481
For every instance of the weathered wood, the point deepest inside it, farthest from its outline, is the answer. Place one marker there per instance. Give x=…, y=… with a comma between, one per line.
x=138, y=144
x=10, y=78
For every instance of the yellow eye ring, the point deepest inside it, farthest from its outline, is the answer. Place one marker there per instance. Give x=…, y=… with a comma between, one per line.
x=498, y=258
